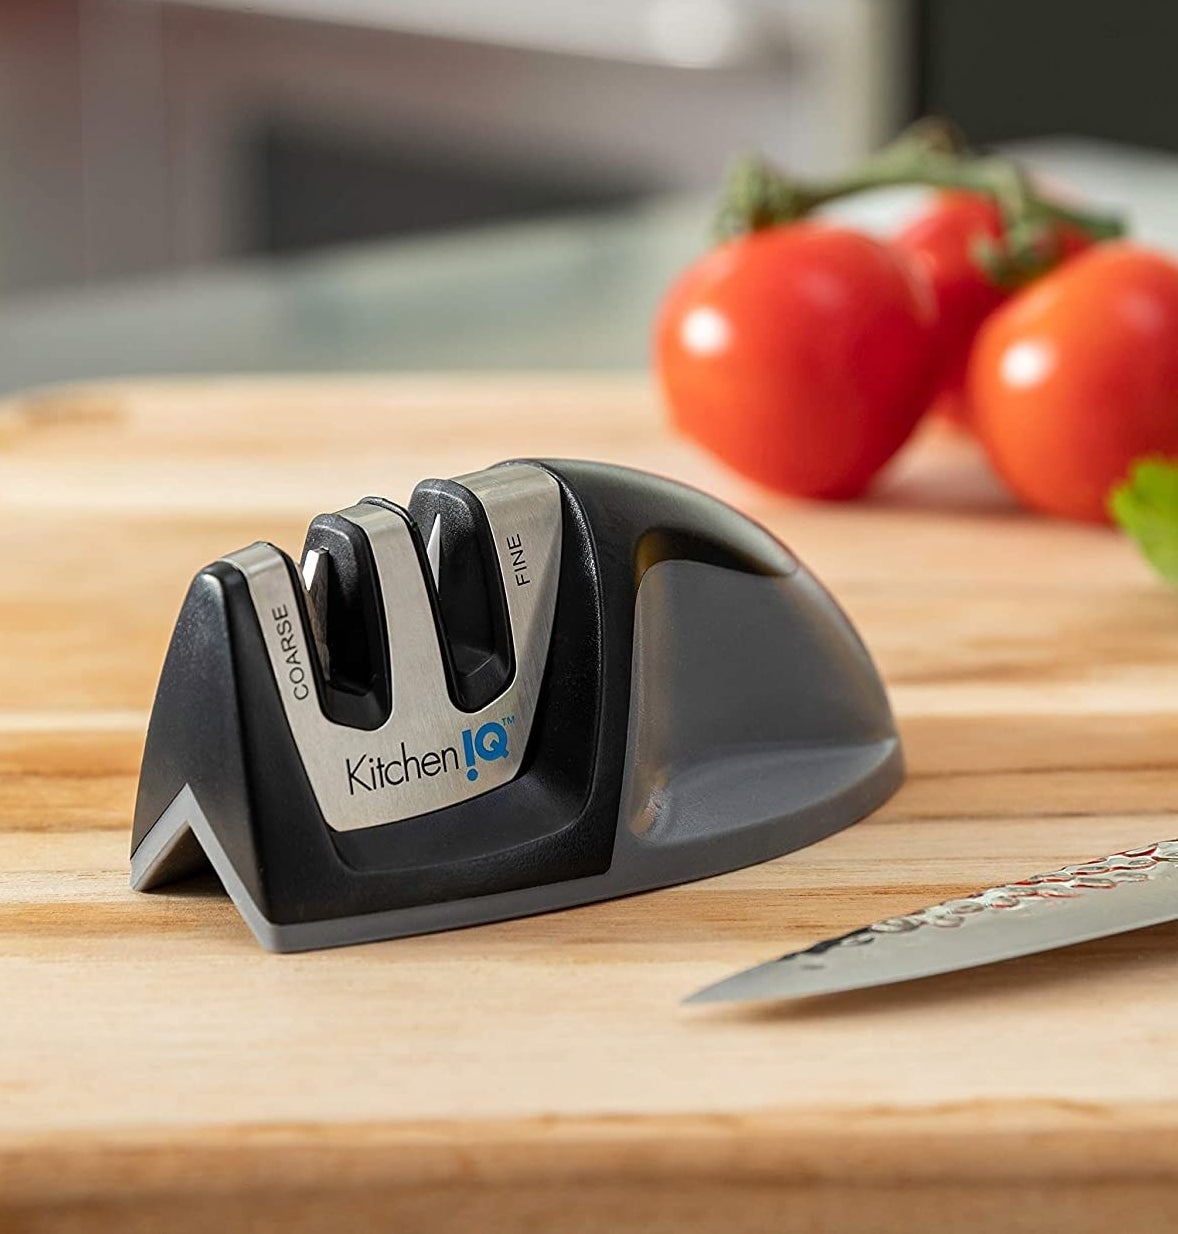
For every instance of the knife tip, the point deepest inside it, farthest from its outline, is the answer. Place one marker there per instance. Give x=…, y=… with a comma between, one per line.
x=706, y=995
x=742, y=987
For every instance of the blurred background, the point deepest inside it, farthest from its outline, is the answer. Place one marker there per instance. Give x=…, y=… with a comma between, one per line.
x=290, y=185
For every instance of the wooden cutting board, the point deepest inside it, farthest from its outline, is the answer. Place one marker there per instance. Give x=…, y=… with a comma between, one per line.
x=158, y=1070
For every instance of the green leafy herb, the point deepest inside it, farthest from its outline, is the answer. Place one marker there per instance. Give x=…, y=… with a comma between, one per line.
x=1146, y=506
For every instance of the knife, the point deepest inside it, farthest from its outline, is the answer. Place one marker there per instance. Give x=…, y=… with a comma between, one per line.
x=1127, y=891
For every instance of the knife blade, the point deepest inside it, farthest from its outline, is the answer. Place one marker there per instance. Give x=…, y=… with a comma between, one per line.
x=1126, y=891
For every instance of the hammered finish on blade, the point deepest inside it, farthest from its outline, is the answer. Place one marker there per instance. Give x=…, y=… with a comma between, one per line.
x=1127, y=891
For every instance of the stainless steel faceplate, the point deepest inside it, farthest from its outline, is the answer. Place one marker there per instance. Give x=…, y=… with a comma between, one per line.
x=428, y=754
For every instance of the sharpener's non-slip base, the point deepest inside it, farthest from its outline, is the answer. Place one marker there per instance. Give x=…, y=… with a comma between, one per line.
x=872, y=773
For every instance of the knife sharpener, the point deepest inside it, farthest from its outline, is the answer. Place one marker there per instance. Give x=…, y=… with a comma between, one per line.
x=540, y=685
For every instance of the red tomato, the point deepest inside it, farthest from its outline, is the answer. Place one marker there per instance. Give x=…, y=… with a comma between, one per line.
x=798, y=354
x=1078, y=376
x=941, y=241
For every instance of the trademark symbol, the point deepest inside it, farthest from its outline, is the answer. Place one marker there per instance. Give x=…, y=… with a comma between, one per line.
x=508, y=720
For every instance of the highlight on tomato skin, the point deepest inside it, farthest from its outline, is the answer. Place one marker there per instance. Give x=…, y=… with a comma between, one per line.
x=800, y=355
x=1077, y=377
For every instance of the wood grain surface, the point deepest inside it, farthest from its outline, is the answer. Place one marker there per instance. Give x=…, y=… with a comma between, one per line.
x=158, y=1070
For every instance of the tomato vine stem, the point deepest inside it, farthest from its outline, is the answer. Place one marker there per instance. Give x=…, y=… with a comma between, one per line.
x=932, y=153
